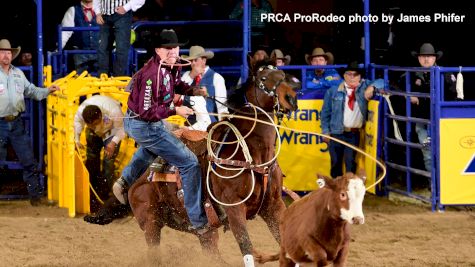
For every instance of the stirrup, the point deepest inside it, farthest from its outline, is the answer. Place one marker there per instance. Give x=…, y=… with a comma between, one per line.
x=200, y=230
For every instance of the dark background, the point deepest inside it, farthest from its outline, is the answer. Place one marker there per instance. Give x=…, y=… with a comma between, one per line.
x=18, y=22
x=343, y=40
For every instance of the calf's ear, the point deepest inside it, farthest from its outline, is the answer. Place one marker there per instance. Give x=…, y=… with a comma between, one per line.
x=361, y=173
x=323, y=181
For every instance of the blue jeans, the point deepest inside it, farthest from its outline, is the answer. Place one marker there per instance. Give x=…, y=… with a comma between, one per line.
x=421, y=130
x=14, y=132
x=84, y=62
x=121, y=24
x=156, y=140
x=339, y=152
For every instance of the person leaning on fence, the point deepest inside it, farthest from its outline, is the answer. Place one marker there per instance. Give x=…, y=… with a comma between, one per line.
x=343, y=115
x=14, y=87
x=81, y=15
x=114, y=18
x=320, y=80
x=105, y=129
x=203, y=76
x=150, y=102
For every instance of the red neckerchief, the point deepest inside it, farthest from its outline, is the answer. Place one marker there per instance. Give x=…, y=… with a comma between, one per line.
x=88, y=9
x=352, y=97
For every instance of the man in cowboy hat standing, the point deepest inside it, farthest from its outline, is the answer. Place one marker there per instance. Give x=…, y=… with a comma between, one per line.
x=203, y=76
x=13, y=88
x=427, y=57
x=343, y=115
x=320, y=80
x=150, y=102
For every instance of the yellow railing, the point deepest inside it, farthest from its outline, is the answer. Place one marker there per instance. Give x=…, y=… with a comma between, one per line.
x=68, y=179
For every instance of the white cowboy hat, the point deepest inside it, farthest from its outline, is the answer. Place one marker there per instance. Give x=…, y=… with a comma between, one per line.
x=197, y=51
x=277, y=54
x=5, y=45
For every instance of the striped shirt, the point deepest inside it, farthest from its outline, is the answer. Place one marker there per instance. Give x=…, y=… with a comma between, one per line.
x=107, y=7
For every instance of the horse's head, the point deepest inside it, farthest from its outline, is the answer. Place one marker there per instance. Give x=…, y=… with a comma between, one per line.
x=270, y=89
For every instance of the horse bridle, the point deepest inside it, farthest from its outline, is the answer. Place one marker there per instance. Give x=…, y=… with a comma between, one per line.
x=260, y=82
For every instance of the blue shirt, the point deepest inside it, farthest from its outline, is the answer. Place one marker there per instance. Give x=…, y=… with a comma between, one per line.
x=318, y=84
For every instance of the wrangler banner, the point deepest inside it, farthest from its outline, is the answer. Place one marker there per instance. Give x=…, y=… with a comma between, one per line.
x=303, y=155
x=457, y=161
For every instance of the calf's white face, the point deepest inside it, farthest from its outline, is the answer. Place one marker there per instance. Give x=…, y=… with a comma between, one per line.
x=355, y=195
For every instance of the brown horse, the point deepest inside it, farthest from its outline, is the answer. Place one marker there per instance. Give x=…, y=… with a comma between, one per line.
x=258, y=183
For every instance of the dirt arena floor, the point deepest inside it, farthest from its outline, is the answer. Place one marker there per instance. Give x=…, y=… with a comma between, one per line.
x=395, y=234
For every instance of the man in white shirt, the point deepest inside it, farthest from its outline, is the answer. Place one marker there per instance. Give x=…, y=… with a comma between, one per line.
x=203, y=76
x=104, y=120
x=344, y=111
x=200, y=120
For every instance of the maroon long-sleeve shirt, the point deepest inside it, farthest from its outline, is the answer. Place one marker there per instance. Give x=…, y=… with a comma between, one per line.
x=152, y=102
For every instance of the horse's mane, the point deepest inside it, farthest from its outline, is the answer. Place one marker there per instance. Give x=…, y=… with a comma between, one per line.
x=237, y=95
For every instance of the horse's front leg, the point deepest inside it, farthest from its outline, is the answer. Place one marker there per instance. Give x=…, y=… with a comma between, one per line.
x=237, y=222
x=271, y=215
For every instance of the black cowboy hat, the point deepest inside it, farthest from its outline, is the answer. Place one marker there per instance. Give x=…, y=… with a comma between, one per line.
x=352, y=66
x=167, y=38
x=428, y=50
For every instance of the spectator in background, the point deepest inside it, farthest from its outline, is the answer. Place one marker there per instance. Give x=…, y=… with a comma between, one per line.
x=81, y=15
x=115, y=17
x=14, y=87
x=25, y=59
x=260, y=54
x=420, y=82
x=203, y=76
x=279, y=58
x=259, y=31
x=105, y=129
x=343, y=116
x=320, y=80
